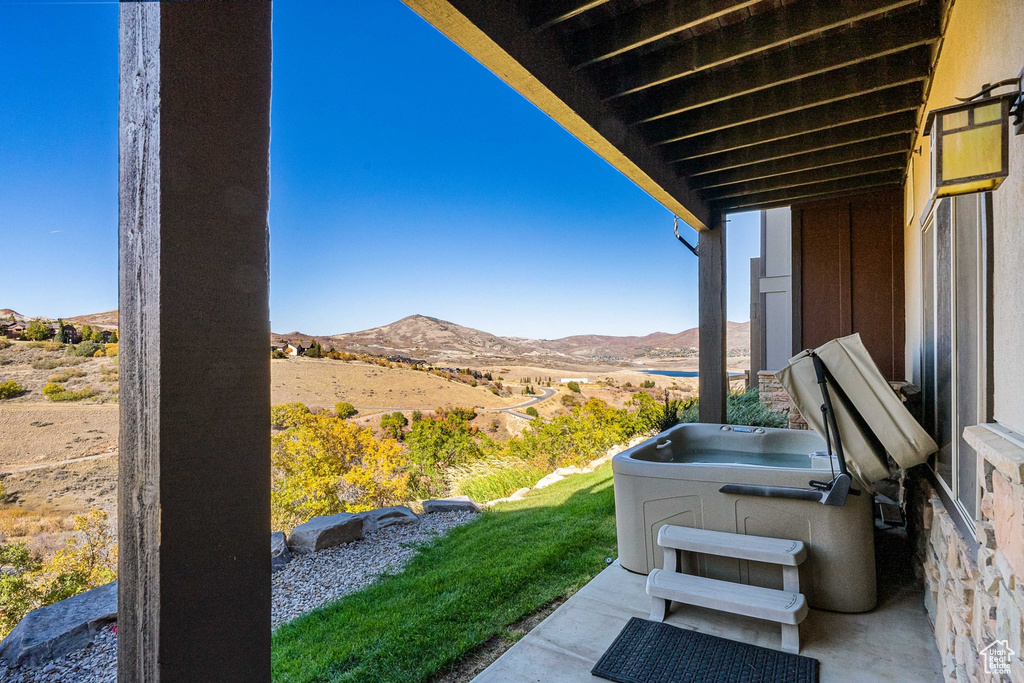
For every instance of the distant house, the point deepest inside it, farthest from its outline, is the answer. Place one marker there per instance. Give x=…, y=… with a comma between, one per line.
x=72, y=335
x=578, y=380
x=293, y=350
x=15, y=330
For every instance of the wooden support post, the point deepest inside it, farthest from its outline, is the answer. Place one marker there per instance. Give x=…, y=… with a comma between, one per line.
x=194, y=494
x=713, y=383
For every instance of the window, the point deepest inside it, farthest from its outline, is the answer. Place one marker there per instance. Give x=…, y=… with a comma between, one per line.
x=954, y=361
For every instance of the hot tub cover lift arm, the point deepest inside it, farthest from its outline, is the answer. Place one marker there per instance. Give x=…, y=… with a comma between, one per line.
x=832, y=492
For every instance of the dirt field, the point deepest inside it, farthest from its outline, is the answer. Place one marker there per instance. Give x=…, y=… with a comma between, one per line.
x=323, y=382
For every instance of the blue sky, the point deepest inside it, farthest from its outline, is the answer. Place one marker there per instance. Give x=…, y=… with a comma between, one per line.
x=405, y=178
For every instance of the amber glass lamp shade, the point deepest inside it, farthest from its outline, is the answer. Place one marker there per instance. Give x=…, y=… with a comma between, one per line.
x=969, y=146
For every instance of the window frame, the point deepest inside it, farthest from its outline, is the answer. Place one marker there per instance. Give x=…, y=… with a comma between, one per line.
x=964, y=517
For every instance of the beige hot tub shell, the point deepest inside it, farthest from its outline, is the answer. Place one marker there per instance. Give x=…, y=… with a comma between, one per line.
x=650, y=492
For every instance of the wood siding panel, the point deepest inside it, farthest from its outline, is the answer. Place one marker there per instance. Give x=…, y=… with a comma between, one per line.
x=825, y=303
x=851, y=274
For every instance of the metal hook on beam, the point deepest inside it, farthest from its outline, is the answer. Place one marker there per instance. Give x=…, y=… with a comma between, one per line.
x=675, y=229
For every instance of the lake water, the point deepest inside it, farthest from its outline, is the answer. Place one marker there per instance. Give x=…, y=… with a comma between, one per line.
x=682, y=373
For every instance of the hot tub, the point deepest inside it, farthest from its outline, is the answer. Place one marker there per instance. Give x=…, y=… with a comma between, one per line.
x=678, y=483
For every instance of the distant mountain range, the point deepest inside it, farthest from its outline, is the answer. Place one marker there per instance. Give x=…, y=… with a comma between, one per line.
x=107, y=319
x=420, y=336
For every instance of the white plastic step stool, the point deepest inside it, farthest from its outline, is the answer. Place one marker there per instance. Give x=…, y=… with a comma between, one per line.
x=788, y=606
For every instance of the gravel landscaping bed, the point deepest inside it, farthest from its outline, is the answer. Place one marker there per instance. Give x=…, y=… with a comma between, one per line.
x=307, y=582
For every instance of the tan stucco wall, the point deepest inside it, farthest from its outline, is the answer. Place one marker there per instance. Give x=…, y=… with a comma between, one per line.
x=984, y=43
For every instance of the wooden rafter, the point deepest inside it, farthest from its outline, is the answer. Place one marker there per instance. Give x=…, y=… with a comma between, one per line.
x=826, y=119
x=824, y=189
x=872, y=40
x=830, y=156
x=761, y=32
x=553, y=12
x=890, y=162
x=645, y=25
x=847, y=83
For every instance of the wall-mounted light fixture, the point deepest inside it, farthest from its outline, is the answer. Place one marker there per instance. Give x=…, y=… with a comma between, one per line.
x=970, y=143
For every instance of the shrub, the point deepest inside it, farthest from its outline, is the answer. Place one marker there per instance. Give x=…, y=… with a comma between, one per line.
x=416, y=416
x=569, y=401
x=393, y=425
x=45, y=345
x=278, y=354
x=574, y=387
x=345, y=410
x=65, y=375
x=532, y=412
x=58, y=392
x=112, y=349
x=285, y=415
x=5, y=343
x=87, y=348
x=10, y=389
x=647, y=384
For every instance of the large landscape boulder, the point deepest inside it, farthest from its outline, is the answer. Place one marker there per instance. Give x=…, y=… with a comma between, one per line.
x=378, y=519
x=280, y=555
x=326, y=532
x=53, y=631
x=453, y=504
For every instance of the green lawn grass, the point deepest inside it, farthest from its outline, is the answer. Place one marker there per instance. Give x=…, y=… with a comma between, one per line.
x=459, y=591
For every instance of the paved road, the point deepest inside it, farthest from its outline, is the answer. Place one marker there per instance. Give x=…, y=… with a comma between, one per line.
x=546, y=393
x=29, y=468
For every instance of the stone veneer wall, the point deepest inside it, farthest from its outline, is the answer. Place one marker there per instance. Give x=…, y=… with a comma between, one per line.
x=774, y=395
x=975, y=598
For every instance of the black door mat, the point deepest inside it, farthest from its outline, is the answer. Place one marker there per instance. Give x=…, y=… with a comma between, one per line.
x=652, y=652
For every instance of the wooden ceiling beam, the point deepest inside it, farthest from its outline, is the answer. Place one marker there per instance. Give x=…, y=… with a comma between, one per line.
x=831, y=156
x=551, y=12
x=646, y=24
x=843, y=84
x=790, y=195
x=758, y=33
x=818, y=119
x=891, y=162
x=905, y=30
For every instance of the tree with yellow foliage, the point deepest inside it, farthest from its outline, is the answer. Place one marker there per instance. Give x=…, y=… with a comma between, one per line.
x=87, y=560
x=323, y=465
x=380, y=479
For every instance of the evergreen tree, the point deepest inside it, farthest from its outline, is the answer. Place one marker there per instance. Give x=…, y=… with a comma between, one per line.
x=60, y=337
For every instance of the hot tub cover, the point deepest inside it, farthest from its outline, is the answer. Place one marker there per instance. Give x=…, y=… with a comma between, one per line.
x=886, y=421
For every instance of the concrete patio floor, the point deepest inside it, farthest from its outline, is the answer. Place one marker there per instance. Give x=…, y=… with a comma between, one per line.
x=894, y=642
